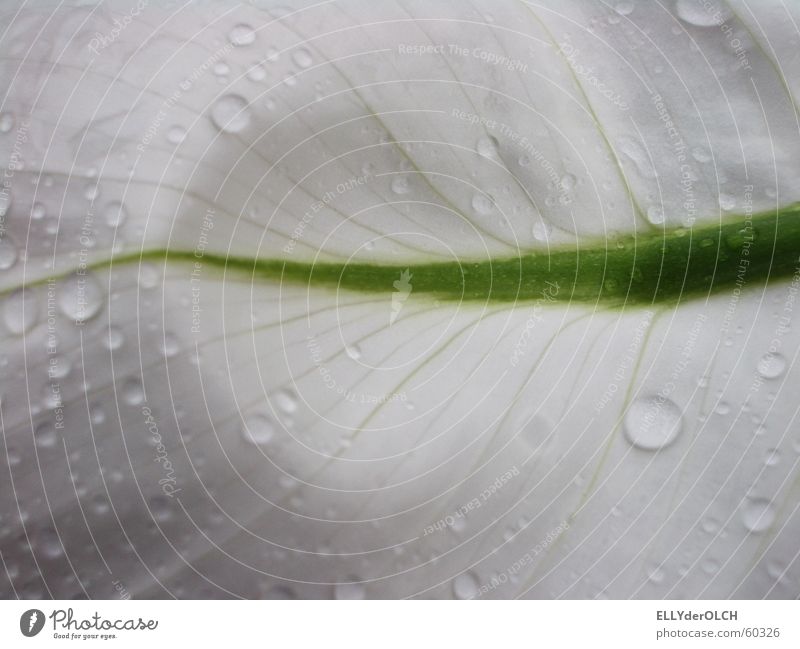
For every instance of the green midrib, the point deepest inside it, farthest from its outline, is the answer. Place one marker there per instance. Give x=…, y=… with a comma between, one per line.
x=649, y=268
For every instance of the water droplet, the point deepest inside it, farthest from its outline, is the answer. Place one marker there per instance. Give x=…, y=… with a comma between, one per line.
x=169, y=346
x=524, y=160
x=349, y=591
x=8, y=253
x=45, y=435
x=302, y=58
x=771, y=366
x=133, y=392
x=655, y=214
x=221, y=68
x=636, y=153
x=6, y=122
x=542, y=230
x=702, y=13
x=242, y=35
x=256, y=72
x=652, y=423
x=656, y=574
x=772, y=457
x=38, y=211
x=80, y=297
x=482, y=203
x=114, y=339
x=353, y=352
x=20, y=312
x=726, y=202
x=160, y=509
x=757, y=514
x=568, y=182
x=49, y=545
x=176, y=134
x=286, y=401
x=723, y=408
x=487, y=146
x=91, y=191
x=465, y=586
x=115, y=214
x=701, y=155
x=624, y=8
x=5, y=202
x=230, y=114
x=400, y=185
x=258, y=429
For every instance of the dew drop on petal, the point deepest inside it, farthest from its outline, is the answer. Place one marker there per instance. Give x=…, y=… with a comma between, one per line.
x=132, y=392
x=302, y=58
x=487, y=146
x=702, y=13
x=6, y=122
x=242, y=35
x=258, y=429
x=115, y=214
x=20, y=311
x=80, y=297
x=465, y=586
x=757, y=514
x=652, y=423
x=482, y=203
x=176, y=134
x=230, y=114
x=353, y=352
x=771, y=366
x=286, y=401
x=400, y=185
x=349, y=590
x=8, y=253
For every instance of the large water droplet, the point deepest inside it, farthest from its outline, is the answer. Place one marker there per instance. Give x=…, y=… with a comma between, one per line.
x=230, y=114
x=757, y=514
x=652, y=423
x=465, y=586
x=80, y=297
x=702, y=13
x=771, y=366
x=542, y=231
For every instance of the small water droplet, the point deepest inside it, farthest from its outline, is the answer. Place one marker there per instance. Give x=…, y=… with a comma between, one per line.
x=302, y=58
x=286, y=401
x=230, y=114
x=656, y=574
x=258, y=429
x=8, y=253
x=701, y=155
x=465, y=586
x=353, y=352
x=242, y=35
x=176, y=134
x=655, y=214
x=487, y=146
x=652, y=423
x=45, y=435
x=38, y=211
x=624, y=8
x=772, y=457
x=757, y=514
x=351, y=590
x=133, y=392
x=702, y=13
x=400, y=185
x=542, y=230
x=49, y=544
x=169, y=346
x=771, y=366
x=482, y=203
x=115, y=214
x=6, y=122
x=114, y=339
x=91, y=191
x=726, y=202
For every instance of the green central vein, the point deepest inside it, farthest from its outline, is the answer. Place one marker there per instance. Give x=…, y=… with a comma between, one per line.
x=662, y=266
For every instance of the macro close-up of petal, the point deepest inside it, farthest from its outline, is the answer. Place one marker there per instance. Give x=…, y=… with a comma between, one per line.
x=403, y=299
